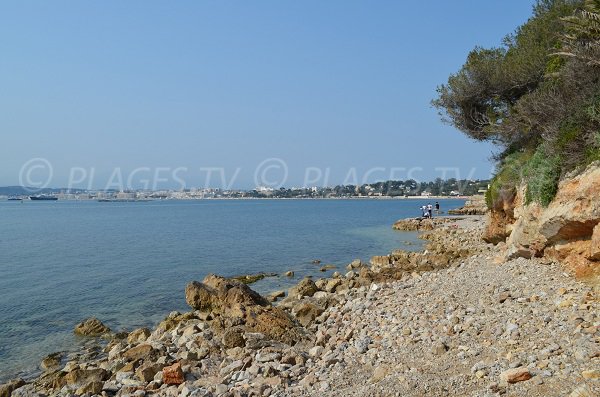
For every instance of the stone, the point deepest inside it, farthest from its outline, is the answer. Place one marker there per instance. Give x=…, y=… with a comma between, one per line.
x=307, y=312
x=173, y=375
x=143, y=351
x=52, y=361
x=333, y=284
x=306, y=287
x=81, y=377
x=289, y=273
x=316, y=351
x=379, y=374
x=380, y=260
x=91, y=327
x=93, y=387
x=7, y=388
x=591, y=374
x=515, y=375
x=148, y=371
x=139, y=335
x=233, y=337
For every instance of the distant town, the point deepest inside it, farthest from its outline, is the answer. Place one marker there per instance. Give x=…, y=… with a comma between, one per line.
x=387, y=189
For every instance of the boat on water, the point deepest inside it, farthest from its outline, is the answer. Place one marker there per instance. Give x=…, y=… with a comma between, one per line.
x=43, y=198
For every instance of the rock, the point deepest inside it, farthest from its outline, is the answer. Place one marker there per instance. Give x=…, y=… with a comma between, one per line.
x=379, y=374
x=234, y=303
x=81, y=377
x=91, y=327
x=595, y=244
x=362, y=345
x=139, y=335
x=274, y=296
x=333, y=284
x=148, y=371
x=327, y=267
x=91, y=388
x=439, y=348
x=143, y=351
x=582, y=391
x=307, y=312
x=316, y=351
x=380, y=260
x=267, y=357
x=306, y=287
x=515, y=375
x=219, y=294
x=497, y=227
x=7, y=388
x=52, y=361
x=591, y=374
x=173, y=375
x=233, y=337
x=289, y=274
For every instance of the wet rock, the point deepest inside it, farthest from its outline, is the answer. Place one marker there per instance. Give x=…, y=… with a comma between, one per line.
x=52, y=361
x=91, y=327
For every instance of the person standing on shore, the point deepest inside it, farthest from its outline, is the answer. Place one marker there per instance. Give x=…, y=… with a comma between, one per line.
x=424, y=211
x=430, y=210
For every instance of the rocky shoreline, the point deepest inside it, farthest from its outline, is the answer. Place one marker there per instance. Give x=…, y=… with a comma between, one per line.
x=453, y=320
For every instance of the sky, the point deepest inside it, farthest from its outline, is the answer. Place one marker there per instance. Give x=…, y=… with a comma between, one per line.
x=157, y=94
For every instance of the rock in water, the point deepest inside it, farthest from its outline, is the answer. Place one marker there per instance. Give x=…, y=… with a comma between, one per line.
x=91, y=327
x=515, y=375
x=234, y=303
x=173, y=375
x=51, y=361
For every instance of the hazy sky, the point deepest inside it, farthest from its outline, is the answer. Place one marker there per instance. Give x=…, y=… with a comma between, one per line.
x=175, y=89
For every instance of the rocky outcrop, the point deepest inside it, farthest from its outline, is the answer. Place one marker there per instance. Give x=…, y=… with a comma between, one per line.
x=232, y=303
x=475, y=206
x=421, y=224
x=7, y=388
x=566, y=231
x=91, y=327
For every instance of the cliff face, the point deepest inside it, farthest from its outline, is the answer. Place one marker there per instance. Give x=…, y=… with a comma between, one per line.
x=567, y=230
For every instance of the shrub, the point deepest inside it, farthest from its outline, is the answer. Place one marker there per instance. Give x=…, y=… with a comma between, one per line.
x=542, y=175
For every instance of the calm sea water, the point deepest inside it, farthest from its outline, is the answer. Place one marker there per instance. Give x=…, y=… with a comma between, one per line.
x=128, y=263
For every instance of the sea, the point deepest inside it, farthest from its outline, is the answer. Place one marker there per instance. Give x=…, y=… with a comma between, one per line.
x=128, y=263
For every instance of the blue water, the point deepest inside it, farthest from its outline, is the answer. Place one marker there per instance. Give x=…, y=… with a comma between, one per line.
x=128, y=263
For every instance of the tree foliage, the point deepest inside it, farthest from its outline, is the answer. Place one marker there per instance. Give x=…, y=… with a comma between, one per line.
x=538, y=92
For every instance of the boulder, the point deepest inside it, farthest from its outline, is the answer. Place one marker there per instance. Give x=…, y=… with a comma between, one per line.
x=52, y=361
x=218, y=294
x=146, y=372
x=233, y=303
x=306, y=312
x=81, y=377
x=143, y=351
x=91, y=327
x=7, y=388
x=173, y=375
x=306, y=287
x=139, y=335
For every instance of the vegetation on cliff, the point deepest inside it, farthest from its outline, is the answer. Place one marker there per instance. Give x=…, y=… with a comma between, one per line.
x=537, y=97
